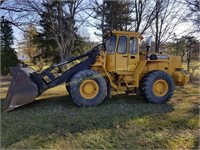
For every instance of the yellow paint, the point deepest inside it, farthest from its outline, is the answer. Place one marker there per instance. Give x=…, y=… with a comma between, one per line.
x=89, y=89
x=138, y=72
x=124, y=71
x=121, y=62
x=160, y=88
x=110, y=62
x=128, y=33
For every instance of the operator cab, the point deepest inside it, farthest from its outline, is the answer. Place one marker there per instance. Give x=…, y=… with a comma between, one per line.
x=122, y=50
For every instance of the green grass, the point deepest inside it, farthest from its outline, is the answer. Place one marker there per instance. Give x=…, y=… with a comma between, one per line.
x=123, y=122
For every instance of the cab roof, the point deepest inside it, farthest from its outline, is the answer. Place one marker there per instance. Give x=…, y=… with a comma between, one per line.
x=127, y=33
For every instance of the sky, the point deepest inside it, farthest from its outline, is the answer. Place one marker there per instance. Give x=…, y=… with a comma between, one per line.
x=85, y=31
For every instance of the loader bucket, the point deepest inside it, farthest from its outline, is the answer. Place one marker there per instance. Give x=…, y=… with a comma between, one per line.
x=22, y=89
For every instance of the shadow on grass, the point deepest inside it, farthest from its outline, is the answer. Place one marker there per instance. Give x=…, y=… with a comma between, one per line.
x=67, y=102
x=56, y=117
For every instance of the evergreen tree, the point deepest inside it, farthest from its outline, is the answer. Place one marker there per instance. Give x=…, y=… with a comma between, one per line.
x=115, y=15
x=8, y=55
x=58, y=19
x=48, y=45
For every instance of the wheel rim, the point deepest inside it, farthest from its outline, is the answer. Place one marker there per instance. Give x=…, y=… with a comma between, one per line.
x=89, y=89
x=160, y=88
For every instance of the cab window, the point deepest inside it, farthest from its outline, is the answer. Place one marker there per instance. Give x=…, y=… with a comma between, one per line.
x=110, y=44
x=121, y=49
x=133, y=45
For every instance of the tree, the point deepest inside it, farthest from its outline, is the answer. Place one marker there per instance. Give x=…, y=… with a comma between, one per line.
x=59, y=32
x=187, y=47
x=117, y=15
x=112, y=15
x=168, y=14
x=8, y=55
x=178, y=47
x=60, y=16
x=144, y=15
x=138, y=15
x=194, y=14
x=27, y=45
x=192, y=50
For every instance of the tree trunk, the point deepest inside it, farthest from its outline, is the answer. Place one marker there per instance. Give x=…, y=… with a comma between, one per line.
x=103, y=19
x=188, y=65
x=182, y=58
x=62, y=57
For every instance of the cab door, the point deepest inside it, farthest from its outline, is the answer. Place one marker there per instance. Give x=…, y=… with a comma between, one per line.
x=121, y=54
x=133, y=54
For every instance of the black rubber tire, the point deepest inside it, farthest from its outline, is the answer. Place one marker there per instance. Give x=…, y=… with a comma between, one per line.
x=76, y=81
x=146, y=86
x=141, y=83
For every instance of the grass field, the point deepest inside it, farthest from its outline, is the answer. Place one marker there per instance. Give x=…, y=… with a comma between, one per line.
x=123, y=122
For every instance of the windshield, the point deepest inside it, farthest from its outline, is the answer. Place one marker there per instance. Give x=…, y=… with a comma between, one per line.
x=110, y=44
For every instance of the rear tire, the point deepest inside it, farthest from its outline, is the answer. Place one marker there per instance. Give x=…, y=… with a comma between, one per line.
x=157, y=87
x=88, y=88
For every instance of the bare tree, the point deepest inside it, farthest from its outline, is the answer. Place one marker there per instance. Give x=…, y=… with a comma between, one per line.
x=96, y=12
x=61, y=19
x=194, y=13
x=192, y=52
x=144, y=15
x=168, y=14
x=62, y=24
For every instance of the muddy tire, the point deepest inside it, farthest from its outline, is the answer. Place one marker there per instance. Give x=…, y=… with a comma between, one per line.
x=88, y=88
x=157, y=87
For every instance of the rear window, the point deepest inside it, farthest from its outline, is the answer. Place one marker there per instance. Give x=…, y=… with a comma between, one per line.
x=133, y=45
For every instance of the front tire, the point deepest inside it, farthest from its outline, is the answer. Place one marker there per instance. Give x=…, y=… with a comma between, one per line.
x=88, y=88
x=157, y=87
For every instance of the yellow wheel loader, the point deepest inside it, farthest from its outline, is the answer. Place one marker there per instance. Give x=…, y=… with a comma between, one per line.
x=117, y=66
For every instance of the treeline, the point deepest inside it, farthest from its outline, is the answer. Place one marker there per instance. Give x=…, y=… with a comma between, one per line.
x=51, y=27
x=8, y=55
x=188, y=47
